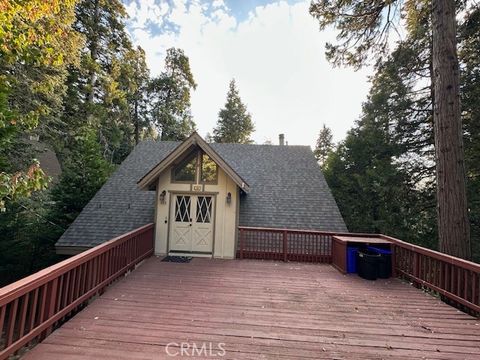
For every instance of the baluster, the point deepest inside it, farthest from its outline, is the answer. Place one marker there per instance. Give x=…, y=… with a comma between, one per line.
x=415, y=264
x=33, y=309
x=52, y=300
x=11, y=322
x=43, y=303
x=241, y=243
x=23, y=314
x=459, y=281
x=3, y=310
x=452, y=278
x=60, y=290
x=474, y=289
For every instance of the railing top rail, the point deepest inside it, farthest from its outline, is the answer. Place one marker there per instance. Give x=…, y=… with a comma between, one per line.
x=320, y=232
x=435, y=254
x=33, y=281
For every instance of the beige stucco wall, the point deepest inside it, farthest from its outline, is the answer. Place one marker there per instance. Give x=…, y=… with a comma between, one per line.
x=225, y=214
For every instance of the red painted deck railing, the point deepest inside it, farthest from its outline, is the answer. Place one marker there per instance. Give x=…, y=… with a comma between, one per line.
x=455, y=280
x=286, y=244
x=30, y=308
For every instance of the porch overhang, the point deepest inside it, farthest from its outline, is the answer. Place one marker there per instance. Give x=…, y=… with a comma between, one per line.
x=148, y=181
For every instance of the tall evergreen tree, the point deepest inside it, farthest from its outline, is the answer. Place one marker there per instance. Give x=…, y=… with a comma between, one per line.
x=452, y=212
x=169, y=94
x=470, y=92
x=84, y=172
x=101, y=91
x=36, y=44
x=324, y=145
x=134, y=81
x=379, y=179
x=234, y=123
x=363, y=33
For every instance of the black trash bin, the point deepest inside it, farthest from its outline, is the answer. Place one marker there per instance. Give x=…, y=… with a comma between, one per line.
x=385, y=264
x=367, y=264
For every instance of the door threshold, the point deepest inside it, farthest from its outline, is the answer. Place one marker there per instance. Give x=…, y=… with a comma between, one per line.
x=190, y=254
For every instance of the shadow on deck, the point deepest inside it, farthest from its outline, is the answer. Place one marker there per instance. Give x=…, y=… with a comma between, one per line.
x=261, y=309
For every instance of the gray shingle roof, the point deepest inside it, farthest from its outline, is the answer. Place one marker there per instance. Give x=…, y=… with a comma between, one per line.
x=288, y=190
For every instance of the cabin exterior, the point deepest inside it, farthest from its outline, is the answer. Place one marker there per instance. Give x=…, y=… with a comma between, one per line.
x=197, y=202
x=252, y=202
x=198, y=194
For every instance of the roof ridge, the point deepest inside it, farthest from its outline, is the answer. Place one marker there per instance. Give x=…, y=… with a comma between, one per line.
x=266, y=145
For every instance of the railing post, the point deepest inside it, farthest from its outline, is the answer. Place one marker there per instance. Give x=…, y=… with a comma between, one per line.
x=241, y=243
x=285, y=247
x=415, y=264
x=394, y=260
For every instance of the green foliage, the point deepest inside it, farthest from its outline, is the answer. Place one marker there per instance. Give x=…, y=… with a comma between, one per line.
x=108, y=90
x=324, y=145
x=169, y=95
x=134, y=81
x=84, y=172
x=69, y=74
x=372, y=190
x=27, y=237
x=234, y=123
x=383, y=174
x=363, y=28
x=470, y=92
x=36, y=44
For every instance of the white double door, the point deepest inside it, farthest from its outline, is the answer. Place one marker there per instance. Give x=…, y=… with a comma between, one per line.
x=191, y=229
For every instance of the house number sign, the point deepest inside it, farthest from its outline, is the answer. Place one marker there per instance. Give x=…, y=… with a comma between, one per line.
x=197, y=188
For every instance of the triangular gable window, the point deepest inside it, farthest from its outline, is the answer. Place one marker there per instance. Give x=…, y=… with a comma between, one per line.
x=209, y=173
x=187, y=170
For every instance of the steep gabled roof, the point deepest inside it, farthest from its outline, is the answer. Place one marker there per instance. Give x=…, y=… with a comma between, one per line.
x=183, y=148
x=287, y=190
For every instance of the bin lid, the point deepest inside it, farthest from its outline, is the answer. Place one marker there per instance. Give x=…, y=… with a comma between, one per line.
x=381, y=251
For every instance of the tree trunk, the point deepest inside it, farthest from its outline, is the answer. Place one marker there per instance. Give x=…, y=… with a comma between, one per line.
x=93, y=54
x=453, y=223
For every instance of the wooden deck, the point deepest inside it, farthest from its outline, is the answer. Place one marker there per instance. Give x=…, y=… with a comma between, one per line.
x=261, y=309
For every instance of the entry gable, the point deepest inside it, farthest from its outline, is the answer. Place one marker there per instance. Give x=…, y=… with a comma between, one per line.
x=181, y=151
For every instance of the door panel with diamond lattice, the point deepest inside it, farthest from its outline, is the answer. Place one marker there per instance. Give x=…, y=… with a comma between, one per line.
x=202, y=237
x=192, y=223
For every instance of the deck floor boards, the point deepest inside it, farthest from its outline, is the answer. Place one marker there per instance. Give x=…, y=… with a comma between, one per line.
x=261, y=310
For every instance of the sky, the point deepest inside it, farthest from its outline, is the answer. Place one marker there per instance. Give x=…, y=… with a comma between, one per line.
x=273, y=49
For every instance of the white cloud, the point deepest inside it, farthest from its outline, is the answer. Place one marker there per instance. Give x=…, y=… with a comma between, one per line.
x=277, y=57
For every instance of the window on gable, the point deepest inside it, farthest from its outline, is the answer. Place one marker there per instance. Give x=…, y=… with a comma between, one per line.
x=209, y=172
x=186, y=170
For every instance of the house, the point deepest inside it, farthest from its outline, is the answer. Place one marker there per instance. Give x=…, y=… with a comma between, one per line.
x=198, y=193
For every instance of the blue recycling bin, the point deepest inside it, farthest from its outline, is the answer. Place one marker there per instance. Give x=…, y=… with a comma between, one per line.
x=352, y=259
x=385, y=263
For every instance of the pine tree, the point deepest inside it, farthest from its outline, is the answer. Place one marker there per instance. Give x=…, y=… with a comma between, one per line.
x=169, y=95
x=84, y=172
x=364, y=28
x=470, y=93
x=452, y=212
x=324, y=145
x=134, y=80
x=234, y=123
x=98, y=94
x=374, y=189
